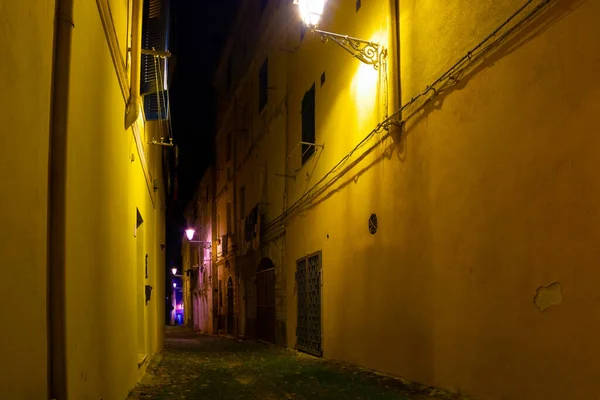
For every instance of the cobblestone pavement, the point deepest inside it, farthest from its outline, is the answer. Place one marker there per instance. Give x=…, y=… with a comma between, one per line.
x=196, y=366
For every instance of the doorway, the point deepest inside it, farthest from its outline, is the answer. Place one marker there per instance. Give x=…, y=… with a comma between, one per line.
x=265, y=300
x=230, y=306
x=308, y=282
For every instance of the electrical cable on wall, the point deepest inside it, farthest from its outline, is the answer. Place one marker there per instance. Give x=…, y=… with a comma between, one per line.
x=414, y=106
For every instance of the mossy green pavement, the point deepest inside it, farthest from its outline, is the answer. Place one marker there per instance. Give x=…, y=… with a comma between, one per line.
x=196, y=366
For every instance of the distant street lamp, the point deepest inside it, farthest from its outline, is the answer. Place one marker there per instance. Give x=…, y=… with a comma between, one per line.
x=368, y=52
x=174, y=271
x=190, y=233
x=174, y=284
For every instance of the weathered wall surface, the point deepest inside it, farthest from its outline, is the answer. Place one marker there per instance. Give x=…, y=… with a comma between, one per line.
x=25, y=84
x=485, y=202
x=110, y=327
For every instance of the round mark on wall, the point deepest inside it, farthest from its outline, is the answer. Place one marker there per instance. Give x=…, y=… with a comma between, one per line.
x=373, y=224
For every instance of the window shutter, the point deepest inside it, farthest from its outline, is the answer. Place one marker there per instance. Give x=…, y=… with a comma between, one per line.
x=308, y=123
x=154, y=37
x=156, y=106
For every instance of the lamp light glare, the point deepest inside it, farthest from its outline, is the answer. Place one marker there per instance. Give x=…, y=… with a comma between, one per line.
x=174, y=285
x=190, y=233
x=174, y=271
x=311, y=11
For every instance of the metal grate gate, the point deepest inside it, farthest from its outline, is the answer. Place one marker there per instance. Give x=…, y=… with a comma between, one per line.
x=308, y=280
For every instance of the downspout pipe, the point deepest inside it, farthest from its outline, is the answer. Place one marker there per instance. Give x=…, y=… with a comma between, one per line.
x=394, y=90
x=132, y=110
x=57, y=201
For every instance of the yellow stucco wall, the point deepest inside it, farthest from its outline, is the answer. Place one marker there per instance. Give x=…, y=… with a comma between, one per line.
x=25, y=84
x=104, y=260
x=488, y=196
x=109, y=323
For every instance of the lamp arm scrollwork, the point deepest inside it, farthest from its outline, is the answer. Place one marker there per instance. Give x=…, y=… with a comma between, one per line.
x=367, y=52
x=205, y=245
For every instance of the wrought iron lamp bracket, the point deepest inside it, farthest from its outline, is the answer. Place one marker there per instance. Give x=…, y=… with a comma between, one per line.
x=162, y=142
x=368, y=52
x=205, y=245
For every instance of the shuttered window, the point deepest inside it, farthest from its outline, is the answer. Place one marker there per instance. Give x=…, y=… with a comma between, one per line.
x=156, y=106
x=308, y=123
x=153, y=79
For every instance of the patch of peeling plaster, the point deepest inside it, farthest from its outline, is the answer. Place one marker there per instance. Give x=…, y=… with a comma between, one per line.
x=548, y=296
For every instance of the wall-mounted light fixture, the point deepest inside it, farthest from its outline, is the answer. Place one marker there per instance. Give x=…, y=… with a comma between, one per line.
x=189, y=233
x=368, y=52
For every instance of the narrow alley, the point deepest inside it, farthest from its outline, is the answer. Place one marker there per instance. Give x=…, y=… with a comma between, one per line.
x=197, y=366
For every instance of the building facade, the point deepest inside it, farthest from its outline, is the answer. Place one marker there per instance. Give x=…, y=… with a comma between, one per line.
x=223, y=239
x=83, y=194
x=425, y=204
x=200, y=273
x=252, y=96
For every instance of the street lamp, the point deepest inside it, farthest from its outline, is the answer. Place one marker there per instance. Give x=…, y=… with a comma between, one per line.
x=174, y=271
x=310, y=11
x=190, y=233
x=368, y=52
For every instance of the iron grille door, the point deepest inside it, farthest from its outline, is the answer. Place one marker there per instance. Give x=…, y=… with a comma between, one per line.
x=301, y=330
x=308, y=331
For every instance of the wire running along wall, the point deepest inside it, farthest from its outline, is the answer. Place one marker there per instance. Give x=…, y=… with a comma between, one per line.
x=416, y=104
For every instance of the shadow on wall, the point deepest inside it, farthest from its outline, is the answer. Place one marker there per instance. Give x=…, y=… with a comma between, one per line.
x=321, y=195
x=503, y=43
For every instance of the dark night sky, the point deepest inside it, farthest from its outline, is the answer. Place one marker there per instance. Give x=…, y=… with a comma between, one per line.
x=198, y=33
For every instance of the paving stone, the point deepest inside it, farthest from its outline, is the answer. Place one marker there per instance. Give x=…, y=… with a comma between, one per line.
x=199, y=366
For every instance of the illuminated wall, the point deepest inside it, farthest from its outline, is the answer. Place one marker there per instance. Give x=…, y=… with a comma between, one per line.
x=110, y=179
x=197, y=256
x=204, y=303
x=481, y=276
x=183, y=285
x=110, y=327
x=25, y=83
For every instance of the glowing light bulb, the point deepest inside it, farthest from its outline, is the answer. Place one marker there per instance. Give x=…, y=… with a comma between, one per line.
x=311, y=11
x=190, y=233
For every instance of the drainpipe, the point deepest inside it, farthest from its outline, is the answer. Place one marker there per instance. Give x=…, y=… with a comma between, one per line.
x=56, y=297
x=395, y=97
x=132, y=110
